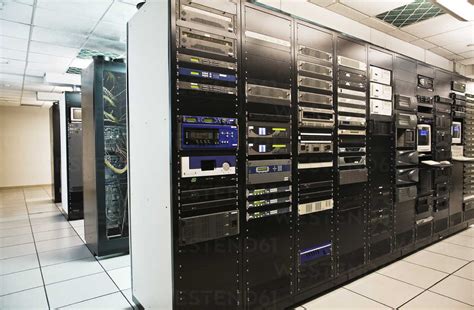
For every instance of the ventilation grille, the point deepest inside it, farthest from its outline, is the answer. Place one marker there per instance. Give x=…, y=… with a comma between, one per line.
x=87, y=54
x=415, y=12
x=74, y=70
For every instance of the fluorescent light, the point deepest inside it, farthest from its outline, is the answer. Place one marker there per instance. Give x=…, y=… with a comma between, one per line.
x=81, y=63
x=65, y=79
x=461, y=9
x=45, y=96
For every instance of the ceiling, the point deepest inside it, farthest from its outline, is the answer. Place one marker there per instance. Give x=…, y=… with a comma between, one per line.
x=39, y=37
x=441, y=34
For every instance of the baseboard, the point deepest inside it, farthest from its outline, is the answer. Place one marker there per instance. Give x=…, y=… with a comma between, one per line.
x=23, y=186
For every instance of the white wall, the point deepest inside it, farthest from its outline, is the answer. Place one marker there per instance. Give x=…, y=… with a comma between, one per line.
x=25, y=146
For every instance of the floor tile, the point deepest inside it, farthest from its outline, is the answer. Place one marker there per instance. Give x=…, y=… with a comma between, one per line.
x=77, y=223
x=111, y=301
x=56, y=244
x=41, y=209
x=20, y=281
x=467, y=232
x=455, y=287
x=432, y=301
x=47, y=216
x=466, y=272
x=413, y=274
x=122, y=277
x=15, y=231
x=71, y=270
x=115, y=262
x=12, y=206
x=30, y=299
x=15, y=240
x=15, y=224
x=13, y=212
x=343, y=299
x=436, y=261
x=461, y=240
x=50, y=226
x=39, y=202
x=79, y=230
x=21, y=263
x=14, y=218
x=59, y=294
x=17, y=250
x=128, y=295
x=54, y=234
x=385, y=290
x=452, y=250
x=58, y=218
x=64, y=255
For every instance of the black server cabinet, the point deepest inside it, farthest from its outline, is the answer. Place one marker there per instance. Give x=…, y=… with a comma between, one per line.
x=380, y=154
x=441, y=151
x=104, y=107
x=406, y=155
x=468, y=139
x=205, y=110
x=458, y=114
x=75, y=193
x=314, y=156
x=352, y=174
x=425, y=91
x=55, y=131
x=267, y=71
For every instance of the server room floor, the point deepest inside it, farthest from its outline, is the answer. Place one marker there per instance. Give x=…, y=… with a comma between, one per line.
x=45, y=264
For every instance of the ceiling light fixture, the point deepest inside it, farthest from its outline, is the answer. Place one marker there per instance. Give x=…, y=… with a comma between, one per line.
x=81, y=63
x=461, y=9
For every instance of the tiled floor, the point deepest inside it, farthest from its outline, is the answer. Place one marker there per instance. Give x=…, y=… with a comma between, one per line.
x=45, y=264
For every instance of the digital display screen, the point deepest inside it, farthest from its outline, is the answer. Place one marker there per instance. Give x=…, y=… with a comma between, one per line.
x=425, y=82
x=423, y=136
x=201, y=136
x=76, y=114
x=457, y=131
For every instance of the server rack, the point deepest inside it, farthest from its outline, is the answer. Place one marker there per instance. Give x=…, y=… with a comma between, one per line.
x=267, y=61
x=381, y=150
x=55, y=131
x=105, y=157
x=283, y=191
x=314, y=156
x=75, y=190
x=425, y=90
x=351, y=193
x=207, y=218
x=406, y=155
x=467, y=138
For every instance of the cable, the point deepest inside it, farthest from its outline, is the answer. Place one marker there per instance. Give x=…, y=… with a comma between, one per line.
x=114, y=169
